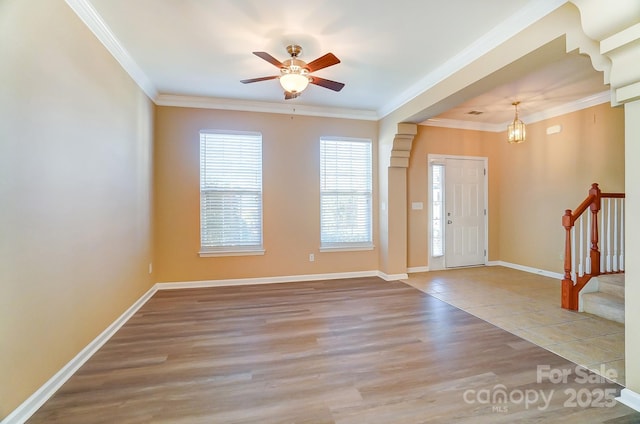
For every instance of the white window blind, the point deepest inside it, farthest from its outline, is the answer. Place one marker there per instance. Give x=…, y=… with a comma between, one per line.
x=230, y=191
x=345, y=193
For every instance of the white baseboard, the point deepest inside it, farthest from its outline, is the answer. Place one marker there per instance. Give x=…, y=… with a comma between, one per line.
x=37, y=399
x=23, y=412
x=499, y=263
x=629, y=398
x=264, y=280
x=413, y=270
x=392, y=277
x=542, y=272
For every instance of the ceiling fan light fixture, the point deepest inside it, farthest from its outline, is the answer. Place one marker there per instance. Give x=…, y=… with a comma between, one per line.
x=294, y=82
x=516, y=131
x=295, y=74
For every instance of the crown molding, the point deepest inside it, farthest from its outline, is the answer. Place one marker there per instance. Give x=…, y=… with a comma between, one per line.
x=584, y=103
x=88, y=14
x=463, y=125
x=92, y=19
x=266, y=107
x=574, y=106
x=526, y=16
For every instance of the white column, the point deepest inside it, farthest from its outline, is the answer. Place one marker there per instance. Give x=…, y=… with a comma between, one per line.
x=394, y=262
x=632, y=250
x=615, y=26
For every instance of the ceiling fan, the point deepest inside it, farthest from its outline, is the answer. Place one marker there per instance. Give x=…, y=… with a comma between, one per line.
x=295, y=74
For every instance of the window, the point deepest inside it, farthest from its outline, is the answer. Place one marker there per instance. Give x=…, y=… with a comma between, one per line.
x=437, y=187
x=230, y=193
x=345, y=194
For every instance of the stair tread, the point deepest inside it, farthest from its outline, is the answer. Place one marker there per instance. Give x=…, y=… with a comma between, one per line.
x=602, y=297
x=613, y=279
x=604, y=305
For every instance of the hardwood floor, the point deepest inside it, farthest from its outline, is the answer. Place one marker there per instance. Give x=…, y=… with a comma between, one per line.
x=342, y=351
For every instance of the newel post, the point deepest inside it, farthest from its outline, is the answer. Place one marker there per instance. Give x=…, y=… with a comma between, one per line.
x=594, y=254
x=567, y=282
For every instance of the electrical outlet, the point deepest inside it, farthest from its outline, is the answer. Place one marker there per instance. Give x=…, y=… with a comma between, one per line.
x=312, y=257
x=150, y=268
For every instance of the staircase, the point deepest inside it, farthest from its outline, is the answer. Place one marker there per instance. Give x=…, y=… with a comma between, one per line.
x=608, y=301
x=594, y=255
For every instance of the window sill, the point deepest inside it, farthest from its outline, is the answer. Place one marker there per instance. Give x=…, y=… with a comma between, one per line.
x=221, y=253
x=346, y=248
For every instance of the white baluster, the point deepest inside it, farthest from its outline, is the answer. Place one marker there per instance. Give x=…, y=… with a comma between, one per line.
x=574, y=274
x=622, y=234
x=601, y=238
x=581, y=256
x=615, y=235
x=608, y=235
x=588, y=246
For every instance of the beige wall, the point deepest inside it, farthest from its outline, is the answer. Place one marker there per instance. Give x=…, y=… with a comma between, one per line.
x=75, y=183
x=530, y=184
x=75, y=168
x=551, y=173
x=291, y=195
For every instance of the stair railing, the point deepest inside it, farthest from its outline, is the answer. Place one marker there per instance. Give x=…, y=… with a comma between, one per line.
x=583, y=258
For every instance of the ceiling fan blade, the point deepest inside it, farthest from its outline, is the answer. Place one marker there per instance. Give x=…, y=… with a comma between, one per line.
x=272, y=60
x=247, y=81
x=288, y=95
x=331, y=85
x=325, y=61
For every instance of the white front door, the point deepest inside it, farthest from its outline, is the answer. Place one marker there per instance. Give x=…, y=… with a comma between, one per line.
x=464, y=212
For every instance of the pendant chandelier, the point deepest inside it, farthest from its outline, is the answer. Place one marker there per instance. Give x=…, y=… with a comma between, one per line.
x=516, y=130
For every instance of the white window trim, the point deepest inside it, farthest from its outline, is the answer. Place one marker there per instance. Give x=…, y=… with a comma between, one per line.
x=352, y=247
x=222, y=251
x=230, y=252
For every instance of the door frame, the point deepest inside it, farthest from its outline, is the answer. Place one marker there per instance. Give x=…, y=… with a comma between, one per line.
x=438, y=262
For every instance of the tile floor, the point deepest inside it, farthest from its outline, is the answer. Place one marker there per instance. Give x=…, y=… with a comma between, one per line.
x=528, y=305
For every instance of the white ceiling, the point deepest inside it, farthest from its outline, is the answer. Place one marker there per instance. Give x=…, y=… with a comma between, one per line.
x=390, y=51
